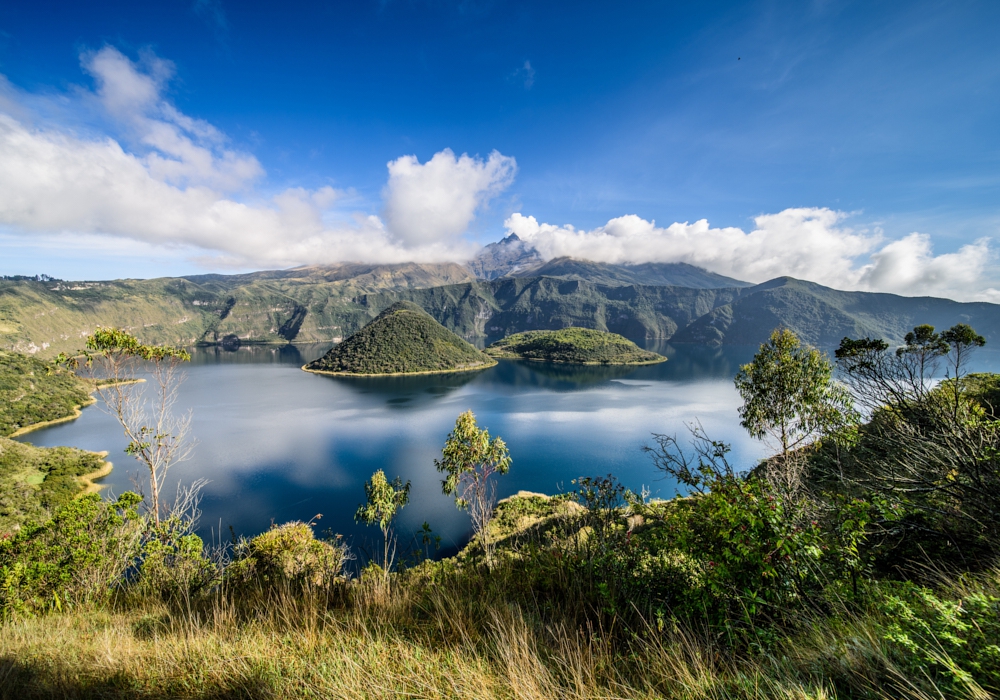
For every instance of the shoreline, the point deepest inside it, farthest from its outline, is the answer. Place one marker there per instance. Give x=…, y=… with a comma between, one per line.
x=77, y=410
x=477, y=368
x=87, y=480
x=582, y=364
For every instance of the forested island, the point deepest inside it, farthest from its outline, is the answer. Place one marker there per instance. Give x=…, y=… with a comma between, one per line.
x=403, y=339
x=581, y=346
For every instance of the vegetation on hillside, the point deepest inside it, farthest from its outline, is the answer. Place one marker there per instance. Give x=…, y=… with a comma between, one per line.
x=324, y=303
x=32, y=391
x=581, y=346
x=35, y=481
x=870, y=574
x=403, y=339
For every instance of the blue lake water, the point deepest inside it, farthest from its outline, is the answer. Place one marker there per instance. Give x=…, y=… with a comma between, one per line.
x=280, y=444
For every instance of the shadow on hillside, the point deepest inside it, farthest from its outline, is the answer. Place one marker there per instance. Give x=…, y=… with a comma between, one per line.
x=26, y=681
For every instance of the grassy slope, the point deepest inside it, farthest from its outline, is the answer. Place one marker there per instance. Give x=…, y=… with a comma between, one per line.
x=36, y=480
x=402, y=339
x=31, y=391
x=581, y=346
x=443, y=630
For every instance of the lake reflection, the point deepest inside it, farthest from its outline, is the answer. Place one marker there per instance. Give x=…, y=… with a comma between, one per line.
x=281, y=444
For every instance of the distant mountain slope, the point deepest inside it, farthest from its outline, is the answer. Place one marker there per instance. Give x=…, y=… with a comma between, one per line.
x=503, y=258
x=823, y=316
x=403, y=339
x=49, y=317
x=362, y=275
x=650, y=274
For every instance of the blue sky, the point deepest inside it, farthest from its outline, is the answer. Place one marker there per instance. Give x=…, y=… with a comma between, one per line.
x=854, y=143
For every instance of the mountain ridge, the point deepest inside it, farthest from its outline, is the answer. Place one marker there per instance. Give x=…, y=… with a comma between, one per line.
x=47, y=317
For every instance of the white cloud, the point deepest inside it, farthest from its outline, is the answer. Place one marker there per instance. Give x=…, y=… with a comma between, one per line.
x=181, y=150
x=808, y=243
x=170, y=187
x=438, y=200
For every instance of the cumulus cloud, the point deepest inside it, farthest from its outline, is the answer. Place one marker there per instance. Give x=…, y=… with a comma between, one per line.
x=172, y=184
x=437, y=200
x=808, y=243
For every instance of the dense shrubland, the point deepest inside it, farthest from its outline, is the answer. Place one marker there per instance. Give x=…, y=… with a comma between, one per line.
x=582, y=346
x=857, y=562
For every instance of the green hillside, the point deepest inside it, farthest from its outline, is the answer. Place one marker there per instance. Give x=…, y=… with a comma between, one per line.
x=581, y=346
x=34, y=481
x=32, y=391
x=403, y=339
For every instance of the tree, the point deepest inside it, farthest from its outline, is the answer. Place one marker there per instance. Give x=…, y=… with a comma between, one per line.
x=962, y=340
x=385, y=499
x=470, y=460
x=157, y=438
x=789, y=394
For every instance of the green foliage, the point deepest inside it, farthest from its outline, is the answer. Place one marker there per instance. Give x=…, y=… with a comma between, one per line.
x=385, y=500
x=949, y=636
x=34, y=481
x=174, y=567
x=119, y=342
x=80, y=555
x=789, y=393
x=402, y=339
x=573, y=345
x=286, y=558
x=32, y=391
x=470, y=459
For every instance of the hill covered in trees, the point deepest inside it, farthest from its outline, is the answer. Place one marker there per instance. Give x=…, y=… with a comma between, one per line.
x=403, y=339
x=582, y=346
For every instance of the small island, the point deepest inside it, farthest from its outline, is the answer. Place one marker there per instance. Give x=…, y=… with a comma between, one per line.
x=403, y=339
x=580, y=346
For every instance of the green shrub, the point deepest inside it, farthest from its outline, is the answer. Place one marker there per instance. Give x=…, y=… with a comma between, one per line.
x=81, y=554
x=951, y=637
x=285, y=558
x=174, y=567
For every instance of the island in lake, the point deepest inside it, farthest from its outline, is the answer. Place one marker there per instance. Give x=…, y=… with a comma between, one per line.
x=403, y=339
x=581, y=346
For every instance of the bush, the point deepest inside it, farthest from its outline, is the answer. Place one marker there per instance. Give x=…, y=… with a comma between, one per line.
x=174, y=566
x=287, y=558
x=81, y=554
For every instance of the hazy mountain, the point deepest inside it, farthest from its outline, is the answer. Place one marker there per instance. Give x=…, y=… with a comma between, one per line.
x=503, y=258
x=656, y=274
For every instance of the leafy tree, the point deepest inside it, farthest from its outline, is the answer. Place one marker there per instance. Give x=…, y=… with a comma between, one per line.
x=962, y=340
x=789, y=394
x=385, y=499
x=157, y=438
x=471, y=459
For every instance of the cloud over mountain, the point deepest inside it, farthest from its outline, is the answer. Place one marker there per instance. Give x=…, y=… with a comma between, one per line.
x=808, y=243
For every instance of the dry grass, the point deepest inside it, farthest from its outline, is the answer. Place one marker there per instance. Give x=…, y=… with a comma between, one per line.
x=381, y=646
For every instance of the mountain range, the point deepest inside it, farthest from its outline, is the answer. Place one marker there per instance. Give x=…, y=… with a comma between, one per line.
x=506, y=289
